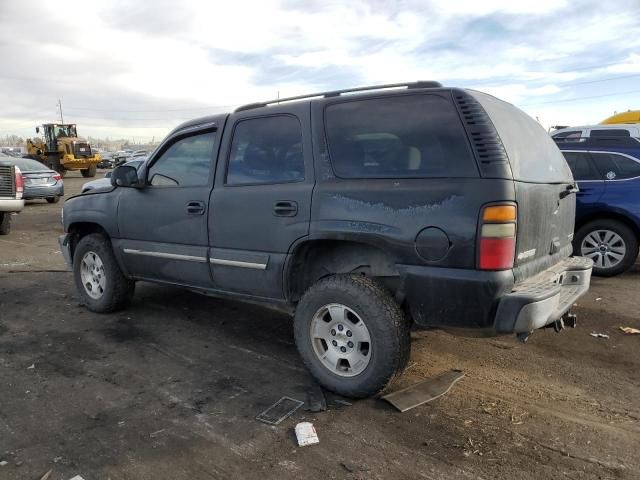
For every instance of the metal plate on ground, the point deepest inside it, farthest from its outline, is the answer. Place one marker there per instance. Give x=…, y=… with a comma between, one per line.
x=424, y=391
x=280, y=410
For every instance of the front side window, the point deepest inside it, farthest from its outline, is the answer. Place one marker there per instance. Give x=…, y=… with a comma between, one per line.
x=581, y=166
x=614, y=166
x=266, y=150
x=407, y=136
x=570, y=136
x=186, y=163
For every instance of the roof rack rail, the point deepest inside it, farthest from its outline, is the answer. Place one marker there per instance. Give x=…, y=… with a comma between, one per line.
x=337, y=93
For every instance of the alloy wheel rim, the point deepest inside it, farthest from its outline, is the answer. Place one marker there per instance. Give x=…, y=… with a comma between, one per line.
x=92, y=275
x=341, y=340
x=605, y=247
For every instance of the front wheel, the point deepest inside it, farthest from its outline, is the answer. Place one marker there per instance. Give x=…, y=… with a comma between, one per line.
x=5, y=223
x=611, y=245
x=101, y=284
x=89, y=172
x=53, y=199
x=352, y=335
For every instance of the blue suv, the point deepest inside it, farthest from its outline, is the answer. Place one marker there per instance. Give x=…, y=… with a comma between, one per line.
x=607, y=227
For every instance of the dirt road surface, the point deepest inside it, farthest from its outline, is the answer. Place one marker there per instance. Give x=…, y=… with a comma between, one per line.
x=170, y=388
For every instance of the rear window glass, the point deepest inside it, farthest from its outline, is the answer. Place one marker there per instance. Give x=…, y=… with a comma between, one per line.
x=533, y=155
x=581, y=166
x=614, y=166
x=408, y=136
x=28, y=165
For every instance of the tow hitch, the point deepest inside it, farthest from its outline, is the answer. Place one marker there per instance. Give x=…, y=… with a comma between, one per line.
x=568, y=320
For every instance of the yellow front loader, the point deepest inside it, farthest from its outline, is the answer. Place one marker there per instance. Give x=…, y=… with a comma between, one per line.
x=60, y=149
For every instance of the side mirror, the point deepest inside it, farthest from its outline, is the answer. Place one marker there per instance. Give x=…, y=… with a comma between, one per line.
x=37, y=129
x=125, y=176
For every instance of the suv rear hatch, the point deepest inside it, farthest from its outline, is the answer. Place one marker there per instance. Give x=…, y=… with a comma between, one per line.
x=544, y=188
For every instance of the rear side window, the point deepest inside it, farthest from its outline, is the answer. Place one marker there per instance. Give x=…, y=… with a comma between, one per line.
x=533, y=155
x=581, y=166
x=266, y=150
x=408, y=136
x=614, y=166
x=610, y=132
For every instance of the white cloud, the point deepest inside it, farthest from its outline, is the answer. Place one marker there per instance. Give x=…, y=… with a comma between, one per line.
x=134, y=67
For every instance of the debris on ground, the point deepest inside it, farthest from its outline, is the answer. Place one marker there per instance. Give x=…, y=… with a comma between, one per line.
x=3, y=463
x=599, y=335
x=352, y=467
x=280, y=410
x=31, y=367
x=598, y=299
x=630, y=331
x=316, y=401
x=77, y=477
x=306, y=434
x=46, y=475
x=424, y=391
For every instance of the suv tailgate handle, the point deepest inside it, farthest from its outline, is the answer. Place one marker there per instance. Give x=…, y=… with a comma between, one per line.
x=195, y=208
x=285, y=208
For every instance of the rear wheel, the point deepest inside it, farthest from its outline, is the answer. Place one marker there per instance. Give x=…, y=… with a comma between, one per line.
x=5, y=223
x=89, y=172
x=53, y=199
x=100, y=282
x=352, y=335
x=611, y=245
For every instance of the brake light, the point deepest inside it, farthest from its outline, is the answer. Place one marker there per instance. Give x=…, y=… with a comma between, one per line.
x=497, y=243
x=57, y=177
x=19, y=183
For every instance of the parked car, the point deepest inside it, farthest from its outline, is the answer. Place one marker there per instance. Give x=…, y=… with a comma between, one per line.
x=607, y=205
x=40, y=182
x=105, y=182
x=107, y=161
x=11, y=191
x=360, y=214
x=622, y=135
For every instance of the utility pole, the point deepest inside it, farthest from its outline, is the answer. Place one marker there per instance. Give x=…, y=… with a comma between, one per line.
x=60, y=107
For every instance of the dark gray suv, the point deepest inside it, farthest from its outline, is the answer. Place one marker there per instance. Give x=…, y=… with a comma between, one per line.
x=359, y=214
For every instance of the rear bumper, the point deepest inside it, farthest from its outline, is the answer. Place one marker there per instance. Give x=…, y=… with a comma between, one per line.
x=44, y=191
x=490, y=303
x=11, y=205
x=545, y=298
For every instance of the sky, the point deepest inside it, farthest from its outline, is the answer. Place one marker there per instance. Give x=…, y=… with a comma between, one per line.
x=136, y=69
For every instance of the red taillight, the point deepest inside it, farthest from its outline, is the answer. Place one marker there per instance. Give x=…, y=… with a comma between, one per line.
x=19, y=183
x=497, y=245
x=57, y=177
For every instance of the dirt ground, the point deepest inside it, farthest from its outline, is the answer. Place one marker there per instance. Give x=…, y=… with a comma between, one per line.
x=170, y=388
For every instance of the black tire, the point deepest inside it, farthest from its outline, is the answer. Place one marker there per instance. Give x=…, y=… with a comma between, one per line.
x=118, y=290
x=55, y=199
x=57, y=166
x=627, y=235
x=388, y=328
x=5, y=223
x=89, y=172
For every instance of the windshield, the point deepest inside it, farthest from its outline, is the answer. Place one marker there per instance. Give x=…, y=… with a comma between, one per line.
x=64, y=131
